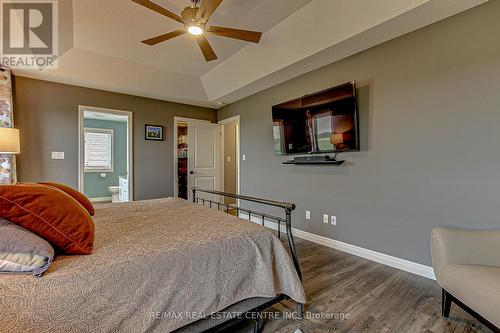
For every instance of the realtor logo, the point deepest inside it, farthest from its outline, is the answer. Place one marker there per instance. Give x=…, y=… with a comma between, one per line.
x=29, y=34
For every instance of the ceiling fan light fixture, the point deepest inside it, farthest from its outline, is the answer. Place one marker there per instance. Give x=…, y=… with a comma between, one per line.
x=194, y=18
x=195, y=30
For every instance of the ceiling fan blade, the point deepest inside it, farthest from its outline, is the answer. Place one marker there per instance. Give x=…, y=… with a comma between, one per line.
x=205, y=47
x=159, y=9
x=247, y=35
x=164, y=37
x=207, y=8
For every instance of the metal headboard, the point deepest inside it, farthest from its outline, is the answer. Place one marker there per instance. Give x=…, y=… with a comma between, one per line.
x=286, y=206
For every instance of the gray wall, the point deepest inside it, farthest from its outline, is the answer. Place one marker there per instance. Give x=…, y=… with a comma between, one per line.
x=430, y=134
x=47, y=115
x=93, y=185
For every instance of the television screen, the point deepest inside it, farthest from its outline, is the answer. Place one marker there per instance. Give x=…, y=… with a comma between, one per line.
x=324, y=122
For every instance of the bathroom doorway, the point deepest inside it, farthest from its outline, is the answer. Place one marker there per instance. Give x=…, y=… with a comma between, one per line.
x=105, y=154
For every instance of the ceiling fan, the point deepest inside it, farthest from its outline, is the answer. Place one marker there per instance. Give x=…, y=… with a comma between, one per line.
x=195, y=20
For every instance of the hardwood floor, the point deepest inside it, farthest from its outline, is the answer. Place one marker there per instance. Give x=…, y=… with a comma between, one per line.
x=377, y=298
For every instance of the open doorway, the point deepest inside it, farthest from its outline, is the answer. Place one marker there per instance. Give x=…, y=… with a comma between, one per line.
x=182, y=160
x=105, y=154
x=197, y=156
x=230, y=152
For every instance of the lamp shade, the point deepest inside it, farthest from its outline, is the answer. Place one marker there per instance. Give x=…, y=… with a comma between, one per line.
x=9, y=141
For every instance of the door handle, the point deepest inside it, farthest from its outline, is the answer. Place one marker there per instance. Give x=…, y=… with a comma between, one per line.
x=192, y=172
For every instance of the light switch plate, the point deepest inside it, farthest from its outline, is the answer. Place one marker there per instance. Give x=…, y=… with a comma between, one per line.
x=308, y=214
x=325, y=218
x=58, y=155
x=333, y=220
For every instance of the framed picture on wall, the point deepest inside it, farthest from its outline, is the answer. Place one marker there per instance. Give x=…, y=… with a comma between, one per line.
x=154, y=132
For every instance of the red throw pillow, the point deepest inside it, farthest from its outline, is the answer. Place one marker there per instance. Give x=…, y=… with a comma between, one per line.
x=51, y=214
x=78, y=196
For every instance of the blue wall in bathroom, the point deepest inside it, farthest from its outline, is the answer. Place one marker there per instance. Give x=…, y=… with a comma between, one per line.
x=93, y=185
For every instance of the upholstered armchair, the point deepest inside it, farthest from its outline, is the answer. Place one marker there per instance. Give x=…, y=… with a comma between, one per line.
x=467, y=267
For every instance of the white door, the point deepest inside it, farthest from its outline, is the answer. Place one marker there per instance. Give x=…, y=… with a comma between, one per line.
x=203, y=158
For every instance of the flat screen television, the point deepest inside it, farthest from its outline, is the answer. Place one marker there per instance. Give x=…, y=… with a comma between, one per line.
x=324, y=122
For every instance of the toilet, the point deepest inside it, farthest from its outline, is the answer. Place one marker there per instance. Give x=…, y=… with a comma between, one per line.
x=115, y=193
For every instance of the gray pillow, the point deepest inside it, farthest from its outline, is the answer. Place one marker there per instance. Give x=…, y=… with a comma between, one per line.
x=23, y=252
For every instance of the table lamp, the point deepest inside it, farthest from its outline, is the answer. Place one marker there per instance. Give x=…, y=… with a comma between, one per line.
x=9, y=141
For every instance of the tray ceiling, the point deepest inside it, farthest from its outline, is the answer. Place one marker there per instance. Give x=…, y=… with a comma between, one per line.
x=101, y=47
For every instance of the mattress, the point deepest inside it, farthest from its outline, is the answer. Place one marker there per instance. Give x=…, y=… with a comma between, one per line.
x=157, y=265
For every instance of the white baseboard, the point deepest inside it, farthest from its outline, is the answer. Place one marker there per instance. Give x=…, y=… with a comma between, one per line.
x=402, y=264
x=103, y=199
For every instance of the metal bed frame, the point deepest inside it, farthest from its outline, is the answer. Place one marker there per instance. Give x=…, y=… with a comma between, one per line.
x=287, y=221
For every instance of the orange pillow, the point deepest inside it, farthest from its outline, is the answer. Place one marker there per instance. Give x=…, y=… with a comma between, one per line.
x=51, y=214
x=78, y=196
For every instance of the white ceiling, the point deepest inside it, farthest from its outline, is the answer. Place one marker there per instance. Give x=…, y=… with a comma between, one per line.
x=299, y=36
x=116, y=27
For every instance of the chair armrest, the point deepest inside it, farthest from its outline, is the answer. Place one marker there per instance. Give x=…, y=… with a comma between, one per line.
x=454, y=246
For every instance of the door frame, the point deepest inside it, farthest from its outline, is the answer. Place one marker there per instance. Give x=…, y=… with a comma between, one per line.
x=130, y=144
x=178, y=120
x=236, y=120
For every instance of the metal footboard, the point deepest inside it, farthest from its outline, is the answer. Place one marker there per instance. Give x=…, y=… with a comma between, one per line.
x=254, y=215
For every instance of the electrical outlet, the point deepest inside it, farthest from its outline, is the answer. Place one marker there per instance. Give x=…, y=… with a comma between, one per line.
x=58, y=155
x=244, y=157
x=308, y=214
x=325, y=218
x=333, y=220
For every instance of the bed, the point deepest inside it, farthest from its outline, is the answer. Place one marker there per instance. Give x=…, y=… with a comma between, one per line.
x=158, y=266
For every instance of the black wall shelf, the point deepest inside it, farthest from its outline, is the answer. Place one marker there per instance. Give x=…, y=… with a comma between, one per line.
x=317, y=162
